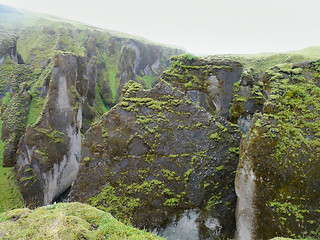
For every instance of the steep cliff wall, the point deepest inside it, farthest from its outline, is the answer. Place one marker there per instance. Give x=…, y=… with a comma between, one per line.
x=277, y=180
x=49, y=152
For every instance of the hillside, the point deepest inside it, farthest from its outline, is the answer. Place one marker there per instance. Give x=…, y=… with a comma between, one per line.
x=263, y=61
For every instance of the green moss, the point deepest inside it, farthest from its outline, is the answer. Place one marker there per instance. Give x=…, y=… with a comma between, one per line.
x=35, y=109
x=188, y=85
x=99, y=106
x=121, y=206
x=221, y=127
x=215, y=136
x=234, y=150
x=66, y=221
x=112, y=71
x=55, y=135
x=187, y=174
x=171, y=202
x=147, y=80
x=10, y=197
x=6, y=99
x=220, y=168
x=170, y=175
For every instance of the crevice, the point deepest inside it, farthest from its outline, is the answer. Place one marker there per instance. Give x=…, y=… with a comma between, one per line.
x=63, y=197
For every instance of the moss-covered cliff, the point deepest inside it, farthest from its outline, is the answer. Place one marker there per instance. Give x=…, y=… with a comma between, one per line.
x=280, y=158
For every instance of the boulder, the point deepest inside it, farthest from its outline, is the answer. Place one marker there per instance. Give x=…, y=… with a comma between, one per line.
x=156, y=158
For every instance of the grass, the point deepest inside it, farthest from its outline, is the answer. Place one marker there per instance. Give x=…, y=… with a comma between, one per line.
x=148, y=80
x=7, y=98
x=99, y=105
x=263, y=61
x=10, y=197
x=35, y=110
x=66, y=221
x=112, y=80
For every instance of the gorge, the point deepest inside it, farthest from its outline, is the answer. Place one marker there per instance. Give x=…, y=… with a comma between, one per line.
x=186, y=147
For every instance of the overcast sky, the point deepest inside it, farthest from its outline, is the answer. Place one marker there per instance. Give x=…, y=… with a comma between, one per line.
x=200, y=26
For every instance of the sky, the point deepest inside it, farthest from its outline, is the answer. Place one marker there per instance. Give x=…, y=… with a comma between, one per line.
x=199, y=26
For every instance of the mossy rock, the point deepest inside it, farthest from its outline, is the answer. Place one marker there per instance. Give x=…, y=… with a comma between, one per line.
x=279, y=157
x=66, y=221
x=151, y=157
x=208, y=82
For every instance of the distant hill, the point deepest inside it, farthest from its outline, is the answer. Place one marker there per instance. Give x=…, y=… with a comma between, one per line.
x=260, y=62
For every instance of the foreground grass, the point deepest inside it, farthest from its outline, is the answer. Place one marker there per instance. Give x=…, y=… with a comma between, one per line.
x=66, y=221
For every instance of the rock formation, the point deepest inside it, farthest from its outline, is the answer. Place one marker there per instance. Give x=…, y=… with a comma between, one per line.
x=75, y=109
x=277, y=181
x=48, y=154
x=156, y=155
x=61, y=83
x=206, y=81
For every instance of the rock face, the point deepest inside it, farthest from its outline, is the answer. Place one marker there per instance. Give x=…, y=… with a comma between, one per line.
x=49, y=153
x=247, y=99
x=8, y=47
x=206, y=81
x=277, y=181
x=61, y=83
x=155, y=156
x=138, y=60
x=14, y=85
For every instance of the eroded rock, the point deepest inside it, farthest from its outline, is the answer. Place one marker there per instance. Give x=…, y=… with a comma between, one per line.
x=49, y=153
x=277, y=180
x=211, y=79
x=156, y=155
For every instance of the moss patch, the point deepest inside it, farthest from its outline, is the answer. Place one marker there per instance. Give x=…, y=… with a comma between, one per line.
x=66, y=221
x=10, y=197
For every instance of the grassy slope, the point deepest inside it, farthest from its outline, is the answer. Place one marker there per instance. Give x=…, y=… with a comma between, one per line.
x=263, y=61
x=66, y=221
x=9, y=17
x=10, y=197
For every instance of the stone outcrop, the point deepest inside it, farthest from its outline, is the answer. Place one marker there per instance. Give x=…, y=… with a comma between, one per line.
x=8, y=47
x=49, y=153
x=206, y=81
x=157, y=156
x=247, y=99
x=138, y=60
x=15, y=80
x=277, y=181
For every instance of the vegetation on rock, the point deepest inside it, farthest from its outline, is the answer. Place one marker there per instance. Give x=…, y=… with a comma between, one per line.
x=282, y=150
x=152, y=157
x=206, y=81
